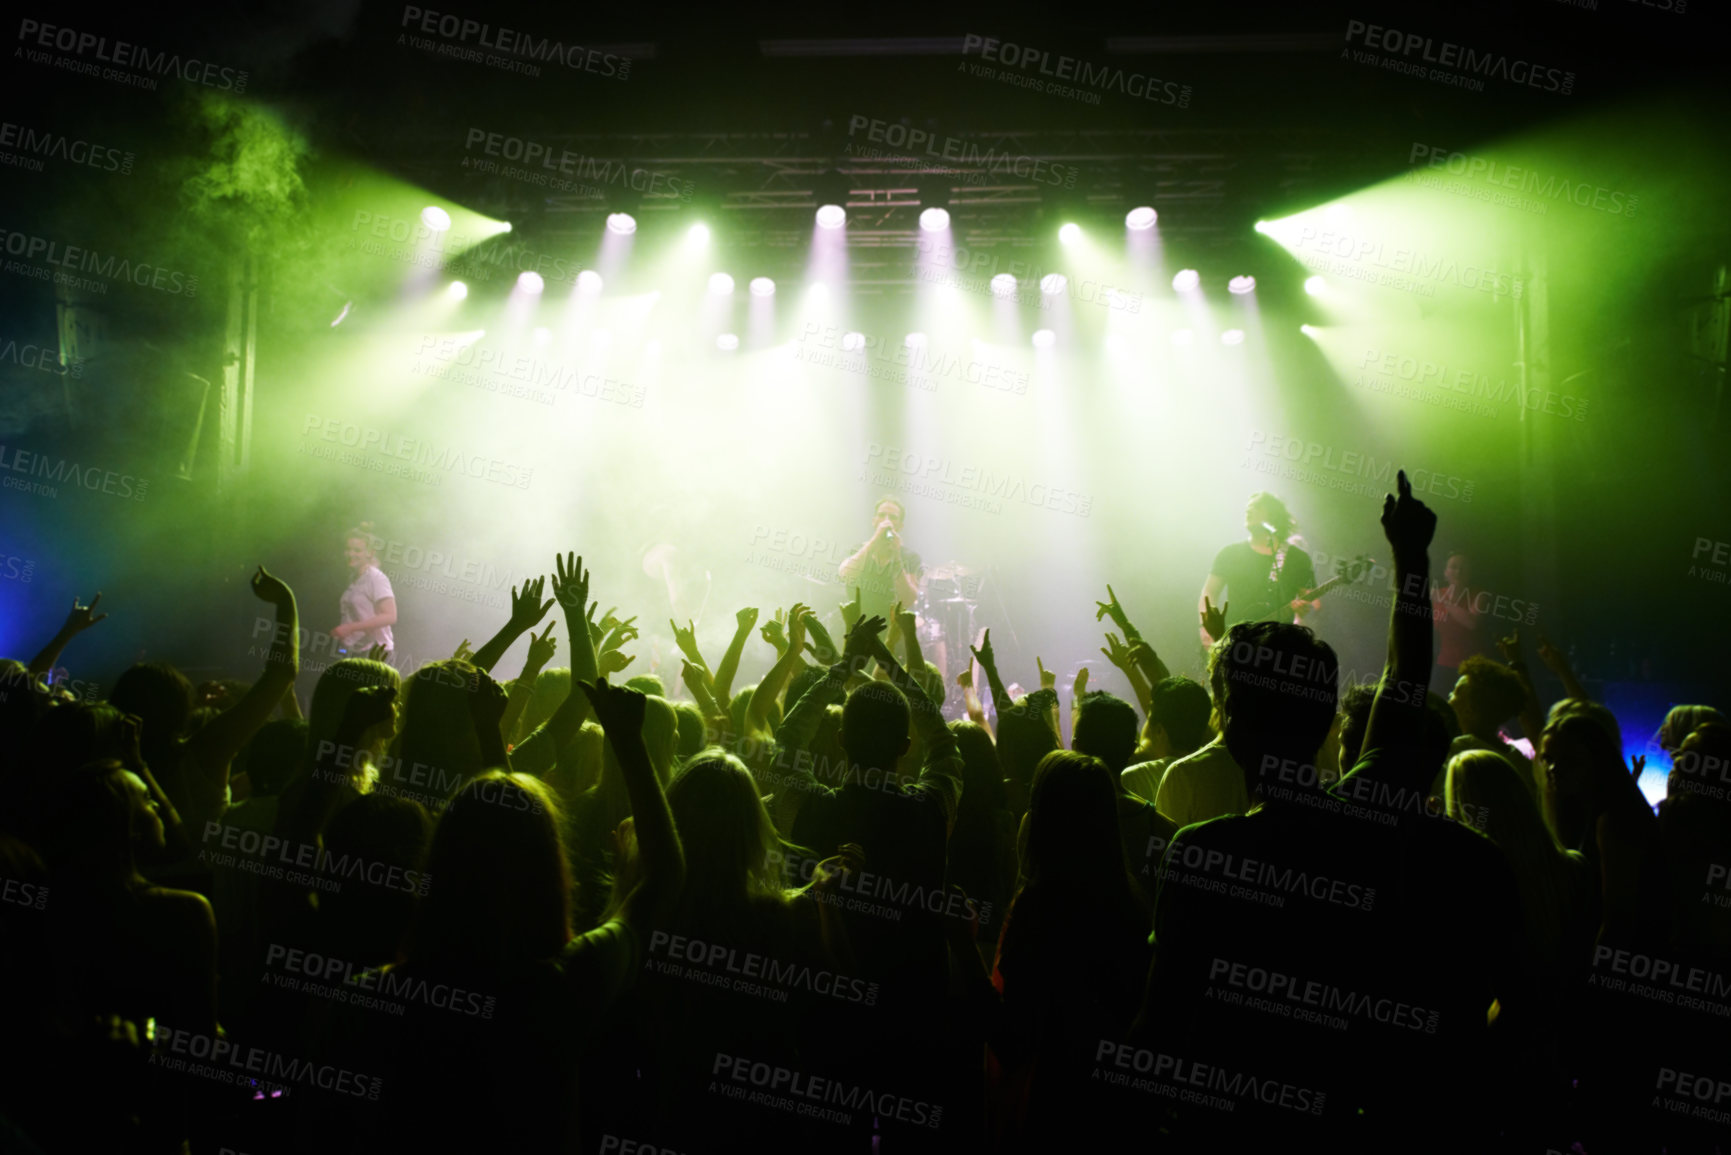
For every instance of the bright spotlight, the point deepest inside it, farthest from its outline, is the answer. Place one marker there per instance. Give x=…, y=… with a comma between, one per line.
x=542, y=335
x=1004, y=285
x=831, y=216
x=698, y=234
x=727, y=342
x=588, y=281
x=1261, y=226
x=762, y=287
x=621, y=223
x=935, y=220
x=1070, y=234
x=852, y=342
x=817, y=291
x=1044, y=338
x=1182, y=336
x=720, y=284
x=1186, y=280
x=530, y=282
x=1315, y=286
x=914, y=340
x=1140, y=218
x=1307, y=330
x=1053, y=283
x=1337, y=215
x=1232, y=337
x=504, y=226
x=1241, y=285
x=435, y=218
x=458, y=290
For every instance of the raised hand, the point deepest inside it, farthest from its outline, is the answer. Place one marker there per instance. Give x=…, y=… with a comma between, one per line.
x=266, y=587
x=1145, y=659
x=965, y=679
x=1116, y=611
x=619, y=708
x=1048, y=680
x=745, y=619
x=541, y=649
x=1408, y=523
x=1555, y=660
x=1214, y=619
x=1080, y=686
x=570, y=583
x=983, y=654
x=774, y=631
x=850, y=610
x=464, y=653
x=686, y=640
x=695, y=677
x=527, y=608
x=863, y=639
x=1510, y=648
x=1637, y=764
x=621, y=633
x=613, y=661
x=905, y=622
x=796, y=619
x=1116, y=652
x=79, y=618
x=377, y=653
x=849, y=858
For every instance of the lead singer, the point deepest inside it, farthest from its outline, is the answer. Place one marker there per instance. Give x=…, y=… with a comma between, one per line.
x=881, y=569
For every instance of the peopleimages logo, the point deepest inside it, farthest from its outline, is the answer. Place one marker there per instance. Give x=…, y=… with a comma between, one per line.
x=123, y=55
x=1451, y=56
x=1302, y=457
x=1099, y=76
x=919, y=142
x=534, y=155
x=459, y=31
x=57, y=146
x=83, y=260
x=1524, y=180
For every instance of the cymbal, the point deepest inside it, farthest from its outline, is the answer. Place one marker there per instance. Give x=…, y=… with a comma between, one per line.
x=953, y=569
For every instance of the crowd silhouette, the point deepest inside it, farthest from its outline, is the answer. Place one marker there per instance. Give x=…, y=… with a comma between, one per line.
x=569, y=913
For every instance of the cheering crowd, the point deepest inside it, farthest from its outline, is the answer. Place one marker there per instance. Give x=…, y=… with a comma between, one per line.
x=434, y=912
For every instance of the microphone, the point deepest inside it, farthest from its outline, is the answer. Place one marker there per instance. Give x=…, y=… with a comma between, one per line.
x=889, y=535
x=1270, y=530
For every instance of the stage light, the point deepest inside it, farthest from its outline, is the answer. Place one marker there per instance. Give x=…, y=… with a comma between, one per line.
x=1261, y=227
x=1232, y=337
x=1315, y=286
x=1307, y=330
x=914, y=340
x=458, y=290
x=852, y=342
x=1070, y=234
x=720, y=284
x=542, y=334
x=530, y=282
x=935, y=220
x=504, y=226
x=817, y=291
x=762, y=287
x=727, y=342
x=1044, y=338
x=1337, y=215
x=622, y=223
x=831, y=217
x=1182, y=336
x=1141, y=218
x=1053, y=283
x=1004, y=285
x=698, y=234
x=589, y=281
x=1241, y=285
x=1186, y=280
x=435, y=218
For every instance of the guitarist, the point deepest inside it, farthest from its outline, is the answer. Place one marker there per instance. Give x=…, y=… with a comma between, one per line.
x=1264, y=577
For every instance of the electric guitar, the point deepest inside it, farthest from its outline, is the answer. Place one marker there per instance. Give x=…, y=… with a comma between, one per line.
x=1345, y=574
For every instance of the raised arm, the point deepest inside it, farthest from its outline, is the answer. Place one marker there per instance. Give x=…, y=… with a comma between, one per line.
x=527, y=610
x=1558, y=663
x=744, y=621
x=942, y=771
x=662, y=861
x=1397, y=714
x=78, y=619
x=214, y=746
x=1532, y=714
x=538, y=753
x=910, y=632
x=541, y=651
x=1211, y=591
x=1001, y=701
x=757, y=712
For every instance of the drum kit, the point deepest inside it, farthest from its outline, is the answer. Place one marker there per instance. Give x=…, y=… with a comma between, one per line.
x=948, y=602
